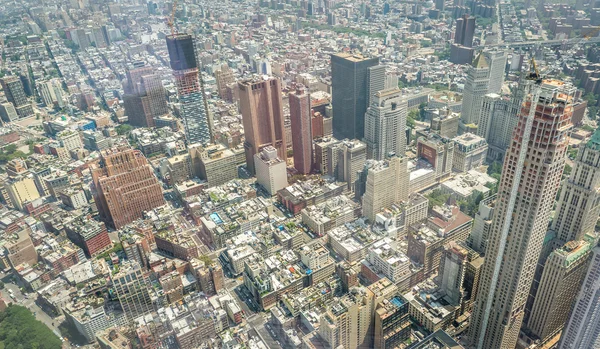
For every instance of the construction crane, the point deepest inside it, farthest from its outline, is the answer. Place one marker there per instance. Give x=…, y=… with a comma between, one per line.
x=171, y=22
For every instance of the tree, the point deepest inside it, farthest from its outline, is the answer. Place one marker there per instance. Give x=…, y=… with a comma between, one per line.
x=422, y=111
x=567, y=171
x=437, y=198
x=410, y=121
x=20, y=330
x=123, y=129
x=592, y=101
x=414, y=114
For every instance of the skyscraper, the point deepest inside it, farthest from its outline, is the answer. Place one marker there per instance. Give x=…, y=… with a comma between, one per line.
x=190, y=89
x=498, y=118
x=476, y=87
x=52, y=93
x=385, y=124
x=262, y=117
x=349, y=94
x=144, y=97
x=301, y=129
x=563, y=271
x=465, y=29
x=439, y=5
x=583, y=329
x=565, y=254
x=125, y=186
x=530, y=179
x=482, y=224
x=461, y=51
x=376, y=81
x=496, y=60
x=15, y=93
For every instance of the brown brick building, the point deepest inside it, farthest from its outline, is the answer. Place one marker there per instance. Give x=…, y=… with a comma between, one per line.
x=125, y=186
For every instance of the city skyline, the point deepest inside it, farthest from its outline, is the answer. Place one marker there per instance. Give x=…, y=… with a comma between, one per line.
x=347, y=174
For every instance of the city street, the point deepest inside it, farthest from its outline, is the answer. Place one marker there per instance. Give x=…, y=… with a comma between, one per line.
x=29, y=302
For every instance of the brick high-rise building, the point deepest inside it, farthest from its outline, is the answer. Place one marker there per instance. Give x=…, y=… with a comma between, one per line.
x=301, y=130
x=531, y=176
x=125, y=186
x=144, y=97
x=90, y=235
x=262, y=116
x=190, y=89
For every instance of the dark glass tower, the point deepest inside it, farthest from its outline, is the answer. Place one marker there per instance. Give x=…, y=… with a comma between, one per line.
x=349, y=100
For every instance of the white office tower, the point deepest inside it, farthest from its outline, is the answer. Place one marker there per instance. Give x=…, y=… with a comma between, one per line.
x=497, y=61
x=271, y=171
x=376, y=80
x=385, y=125
x=531, y=176
x=583, y=329
x=476, y=87
x=499, y=116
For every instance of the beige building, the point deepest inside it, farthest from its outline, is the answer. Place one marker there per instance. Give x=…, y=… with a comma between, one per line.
x=564, y=271
x=349, y=157
x=20, y=190
x=564, y=258
x=346, y=322
x=179, y=168
x=216, y=163
x=470, y=152
x=20, y=249
x=70, y=140
x=385, y=124
x=387, y=183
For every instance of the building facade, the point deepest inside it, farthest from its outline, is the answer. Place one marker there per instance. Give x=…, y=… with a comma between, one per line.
x=301, y=130
x=349, y=85
x=125, y=186
x=522, y=214
x=190, y=89
x=262, y=117
x=385, y=124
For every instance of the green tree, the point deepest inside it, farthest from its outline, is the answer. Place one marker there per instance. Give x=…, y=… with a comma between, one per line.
x=20, y=330
x=123, y=129
x=567, y=171
x=437, y=198
x=592, y=101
